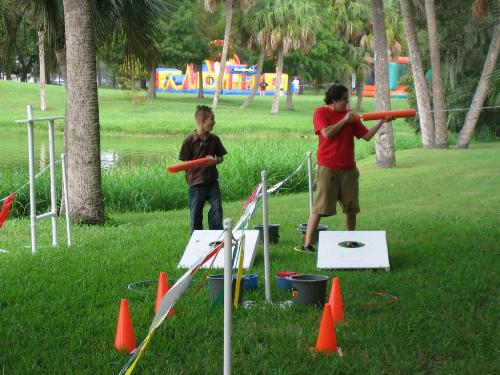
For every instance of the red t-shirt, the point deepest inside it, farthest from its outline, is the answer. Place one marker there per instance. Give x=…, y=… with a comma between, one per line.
x=337, y=152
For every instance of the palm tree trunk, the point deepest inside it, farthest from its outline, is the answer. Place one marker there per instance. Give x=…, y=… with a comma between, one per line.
x=440, y=126
x=277, y=83
x=256, y=82
x=152, y=83
x=348, y=84
x=200, y=81
x=41, y=58
x=82, y=138
x=227, y=33
x=61, y=61
x=421, y=91
x=360, y=84
x=481, y=90
x=289, y=96
x=384, y=141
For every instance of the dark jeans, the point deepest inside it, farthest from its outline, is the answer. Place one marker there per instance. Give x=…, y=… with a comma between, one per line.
x=197, y=196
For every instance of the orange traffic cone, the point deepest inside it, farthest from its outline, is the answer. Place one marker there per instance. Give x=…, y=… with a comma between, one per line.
x=124, y=336
x=162, y=290
x=335, y=301
x=327, y=340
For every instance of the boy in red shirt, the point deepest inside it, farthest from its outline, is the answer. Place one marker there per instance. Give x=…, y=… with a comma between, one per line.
x=337, y=178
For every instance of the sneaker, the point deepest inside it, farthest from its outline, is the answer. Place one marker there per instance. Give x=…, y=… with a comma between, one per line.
x=305, y=249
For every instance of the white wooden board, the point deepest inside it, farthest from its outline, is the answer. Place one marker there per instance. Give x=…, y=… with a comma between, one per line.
x=199, y=245
x=372, y=255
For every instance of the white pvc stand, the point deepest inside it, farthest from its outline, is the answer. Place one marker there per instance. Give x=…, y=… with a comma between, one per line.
x=52, y=164
x=228, y=281
x=265, y=232
x=66, y=203
x=310, y=180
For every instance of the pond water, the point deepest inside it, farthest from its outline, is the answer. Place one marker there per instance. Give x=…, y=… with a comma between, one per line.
x=116, y=150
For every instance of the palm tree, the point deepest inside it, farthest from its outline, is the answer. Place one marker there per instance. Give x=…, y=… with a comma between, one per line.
x=479, y=9
x=82, y=137
x=421, y=91
x=384, y=143
x=75, y=47
x=441, y=128
x=41, y=57
x=210, y=5
x=256, y=82
x=282, y=26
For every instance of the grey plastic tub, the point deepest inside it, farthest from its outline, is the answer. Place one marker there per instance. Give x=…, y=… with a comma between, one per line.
x=303, y=228
x=274, y=232
x=309, y=289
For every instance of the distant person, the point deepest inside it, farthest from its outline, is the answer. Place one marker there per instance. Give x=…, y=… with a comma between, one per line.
x=295, y=86
x=337, y=177
x=262, y=88
x=203, y=182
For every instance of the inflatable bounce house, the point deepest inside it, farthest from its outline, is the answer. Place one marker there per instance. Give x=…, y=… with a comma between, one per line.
x=397, y=68
x=238, y=79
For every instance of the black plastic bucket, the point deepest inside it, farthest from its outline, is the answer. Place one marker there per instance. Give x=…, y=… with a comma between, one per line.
x=274, y=232
x=303, y=228
x=216, y=287
x=309, y=289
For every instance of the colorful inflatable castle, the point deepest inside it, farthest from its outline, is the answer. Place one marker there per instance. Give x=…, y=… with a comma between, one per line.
x=397, y=68
x=238, y=79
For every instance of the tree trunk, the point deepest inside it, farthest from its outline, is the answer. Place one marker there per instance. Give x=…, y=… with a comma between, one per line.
x=256, y=82
x=200, y=81
x=277, y=83
x=61, y=61
x=421, y=91
x=152, y=84
x=289, y=96
x=41, y=58
x=481, y=90
x=227, y=33
x=440, y=126
x=360, y=84
x=348, y=85
x=82, y=138
x=384, y=142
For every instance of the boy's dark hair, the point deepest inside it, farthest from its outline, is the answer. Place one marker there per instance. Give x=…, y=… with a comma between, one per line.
x=335, y=92
x=202, y=112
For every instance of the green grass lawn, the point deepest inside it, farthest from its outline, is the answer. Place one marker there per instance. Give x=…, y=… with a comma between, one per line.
x=58, y=308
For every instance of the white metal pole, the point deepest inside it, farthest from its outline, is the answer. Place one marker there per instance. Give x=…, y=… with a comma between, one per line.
x=31, y=153
x=53, y=201
x=228, y=281
x=265, y=232
x=309, y=175
x=66, y=204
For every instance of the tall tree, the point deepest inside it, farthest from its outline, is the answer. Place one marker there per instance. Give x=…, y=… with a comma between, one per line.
x=384, y=143
x=421, y=90
x=210, y=6
x=82, y=130
x=440, y=125
x=41, y=60
x=479, y=8
x=282, y=26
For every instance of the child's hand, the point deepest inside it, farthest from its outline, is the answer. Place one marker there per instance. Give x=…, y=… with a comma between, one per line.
x=212, y=162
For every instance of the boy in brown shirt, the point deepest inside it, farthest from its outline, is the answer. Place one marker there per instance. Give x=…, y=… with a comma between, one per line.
x=203, y=181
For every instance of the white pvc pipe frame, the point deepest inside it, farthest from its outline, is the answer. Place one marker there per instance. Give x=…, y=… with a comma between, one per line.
x=228, y=282
x=52, y=164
